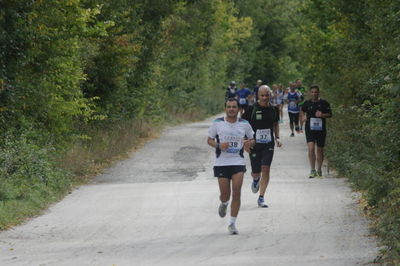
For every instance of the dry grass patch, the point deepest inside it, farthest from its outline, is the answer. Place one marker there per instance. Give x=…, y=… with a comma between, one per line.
x=90, y=157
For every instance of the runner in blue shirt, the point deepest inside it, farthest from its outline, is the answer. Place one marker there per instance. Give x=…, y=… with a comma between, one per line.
x=293, y=98
x=243, y=97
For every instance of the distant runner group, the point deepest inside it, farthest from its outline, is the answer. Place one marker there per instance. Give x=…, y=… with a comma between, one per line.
x=251, y=124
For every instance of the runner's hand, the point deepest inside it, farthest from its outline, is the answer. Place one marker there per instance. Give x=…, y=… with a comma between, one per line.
x=224, y=146
x=278, y=142
x=247, y=144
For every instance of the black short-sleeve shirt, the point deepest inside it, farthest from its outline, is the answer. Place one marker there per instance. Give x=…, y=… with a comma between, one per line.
x=261, y=117
x=310, y=108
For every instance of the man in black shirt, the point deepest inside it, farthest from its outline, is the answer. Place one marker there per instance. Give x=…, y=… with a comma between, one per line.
x=317, y=110
x=264, y=119
x=231, y=91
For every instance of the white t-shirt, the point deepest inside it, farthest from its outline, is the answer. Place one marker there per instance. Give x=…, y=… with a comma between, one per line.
x=279, y=96
x=233, y=133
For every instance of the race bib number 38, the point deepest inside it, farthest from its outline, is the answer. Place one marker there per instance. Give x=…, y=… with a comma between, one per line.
x=316, y=123
x=263, y=135
x=235, y=143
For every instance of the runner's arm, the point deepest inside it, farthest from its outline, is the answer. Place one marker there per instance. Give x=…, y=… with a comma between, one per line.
x=300, y=97
x=276, y=134
x=212, y=134
x=250, y=142
x=249, y=95
x=285, y=99
x=222, y=146
x=328, y=111
x=303, y=117
x=303, y=113
x=247, y=113
x=212, y=142
x=325, y=113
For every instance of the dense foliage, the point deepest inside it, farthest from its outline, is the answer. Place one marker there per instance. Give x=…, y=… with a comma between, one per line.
x=352, y=49
x=76, y=76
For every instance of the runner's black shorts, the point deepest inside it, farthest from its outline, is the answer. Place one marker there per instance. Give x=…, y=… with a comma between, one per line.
x=315, y=136
x=294, y=118
x=228, y=171
x=261, y=157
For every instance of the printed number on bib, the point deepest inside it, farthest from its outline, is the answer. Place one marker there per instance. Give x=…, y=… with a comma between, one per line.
x=235, y=143
x=242, y=101
x=316, y=123
x=292, y=105
x=263, y=135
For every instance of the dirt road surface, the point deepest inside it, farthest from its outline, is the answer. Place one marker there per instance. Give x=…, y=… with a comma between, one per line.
x=159, y=207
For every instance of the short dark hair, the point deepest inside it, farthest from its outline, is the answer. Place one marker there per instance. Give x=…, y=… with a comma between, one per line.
x=232, y=100
x=314, y=87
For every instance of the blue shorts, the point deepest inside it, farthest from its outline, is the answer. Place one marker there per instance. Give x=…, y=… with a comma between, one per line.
x=228, y=171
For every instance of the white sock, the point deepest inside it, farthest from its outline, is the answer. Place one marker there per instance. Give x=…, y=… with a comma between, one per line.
x=232, y=220
x=225, y=203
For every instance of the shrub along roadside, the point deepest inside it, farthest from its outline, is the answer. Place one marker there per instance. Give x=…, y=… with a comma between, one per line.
x=363, y=148
x=29, y=181
x=351, y=49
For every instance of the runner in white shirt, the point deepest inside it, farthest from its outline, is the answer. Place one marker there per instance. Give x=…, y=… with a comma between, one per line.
x=227, y=135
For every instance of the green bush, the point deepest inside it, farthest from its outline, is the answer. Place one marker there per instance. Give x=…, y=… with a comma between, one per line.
x=350, y=48
x=28, y=178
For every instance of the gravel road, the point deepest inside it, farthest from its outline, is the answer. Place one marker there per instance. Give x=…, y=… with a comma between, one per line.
x=159, y=207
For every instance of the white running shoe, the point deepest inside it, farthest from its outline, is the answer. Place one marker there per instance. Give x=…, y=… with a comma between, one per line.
x=261, y=203
x=222, y=210
x=232, y=229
